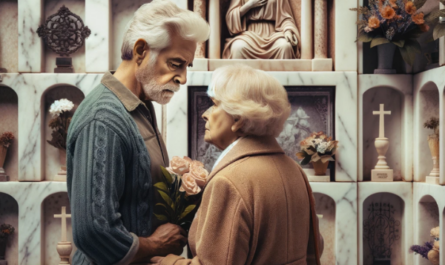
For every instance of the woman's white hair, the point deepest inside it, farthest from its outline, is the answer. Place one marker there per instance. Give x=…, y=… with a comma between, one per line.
x=154, y=23
x=252, y=95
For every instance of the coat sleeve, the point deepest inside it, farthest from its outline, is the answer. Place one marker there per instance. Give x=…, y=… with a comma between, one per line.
x=95, y=188
x=224, y=228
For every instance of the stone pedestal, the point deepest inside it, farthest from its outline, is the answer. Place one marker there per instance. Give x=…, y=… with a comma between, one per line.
x=321, y=64
x=382, y=172
x=64, y=249
x=432, y=180
x=64, y=65
x=382, y=175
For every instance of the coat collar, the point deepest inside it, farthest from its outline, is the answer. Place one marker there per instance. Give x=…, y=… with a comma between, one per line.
x=248, y=146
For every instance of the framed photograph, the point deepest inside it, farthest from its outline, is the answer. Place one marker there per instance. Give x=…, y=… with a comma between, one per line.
x=312, y=111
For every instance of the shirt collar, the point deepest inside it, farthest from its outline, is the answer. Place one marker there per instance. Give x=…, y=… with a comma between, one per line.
x=224, y=153
x=128, y=99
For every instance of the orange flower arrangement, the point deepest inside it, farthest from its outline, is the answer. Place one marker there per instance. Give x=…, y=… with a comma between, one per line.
x=387, y=12
x=418, y=18
x=373, y=22
x=410, y=8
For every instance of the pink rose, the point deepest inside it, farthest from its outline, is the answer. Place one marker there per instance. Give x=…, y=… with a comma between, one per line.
x=189, y=185
x=179, y=165
x=200, y=174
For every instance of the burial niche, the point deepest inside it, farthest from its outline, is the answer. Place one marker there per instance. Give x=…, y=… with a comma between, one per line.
x=9, y=123
x=428, y=218
x=54, y=158
x=9, y=222
x=325, y=208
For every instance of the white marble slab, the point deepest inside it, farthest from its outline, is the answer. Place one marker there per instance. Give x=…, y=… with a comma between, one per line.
x=345, y=114
x=431, y=80
x=343, y=248
x=345, y=36
x=402, y=158
x=400, y=195
x=30, y=44
x=97, y=45
x=428, y=211
x=265, y=64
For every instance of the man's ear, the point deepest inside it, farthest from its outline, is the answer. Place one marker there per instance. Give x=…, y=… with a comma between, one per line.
x=140, y=50
x=237, y=125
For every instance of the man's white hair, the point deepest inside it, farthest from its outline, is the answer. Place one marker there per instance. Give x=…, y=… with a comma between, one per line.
x=154, y=22
x=252, y=95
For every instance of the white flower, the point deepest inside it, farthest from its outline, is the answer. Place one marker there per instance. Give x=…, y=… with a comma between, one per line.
x=322, y=147
x=60, y=106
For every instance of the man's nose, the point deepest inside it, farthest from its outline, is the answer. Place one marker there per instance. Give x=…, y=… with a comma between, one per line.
x=181, y=79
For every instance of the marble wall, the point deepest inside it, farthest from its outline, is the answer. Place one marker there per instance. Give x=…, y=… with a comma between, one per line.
x=9, y=123
x=9, y=211
x=9, y=35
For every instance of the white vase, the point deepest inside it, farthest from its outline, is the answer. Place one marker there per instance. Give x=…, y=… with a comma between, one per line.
x=61, y=175
x=433, y=143
x=382, y=145
x=385, y=58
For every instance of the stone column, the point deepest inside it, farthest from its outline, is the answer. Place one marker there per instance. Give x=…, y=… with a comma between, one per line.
x=306, y=29
x=30, y=44
x=321, y=29
x=441, y=41
x=200, y=7
x=215, y=29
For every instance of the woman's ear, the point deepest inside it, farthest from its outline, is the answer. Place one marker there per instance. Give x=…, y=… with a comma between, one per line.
x=140, y=50
x=237, y=125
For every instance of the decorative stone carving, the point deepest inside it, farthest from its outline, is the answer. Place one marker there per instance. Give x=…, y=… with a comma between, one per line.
x=382, y=172
x=64, y=247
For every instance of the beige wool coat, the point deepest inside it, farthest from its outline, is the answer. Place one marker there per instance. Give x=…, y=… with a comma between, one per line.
x=257, y=208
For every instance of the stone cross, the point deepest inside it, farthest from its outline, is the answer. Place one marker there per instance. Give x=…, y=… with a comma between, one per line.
x=382, y=114
x=63, y=216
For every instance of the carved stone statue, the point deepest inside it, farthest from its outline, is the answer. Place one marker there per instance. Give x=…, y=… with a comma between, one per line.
x=262, y=29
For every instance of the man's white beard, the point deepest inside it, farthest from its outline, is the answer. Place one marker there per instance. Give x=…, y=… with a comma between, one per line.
x=153, y=90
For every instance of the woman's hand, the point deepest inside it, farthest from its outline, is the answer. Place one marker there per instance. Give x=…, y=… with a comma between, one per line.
x=291, y=37
x=251, y=4
x=156, y=260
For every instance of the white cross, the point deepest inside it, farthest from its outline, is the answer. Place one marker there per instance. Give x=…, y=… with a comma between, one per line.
x=63, y=216
x=382, y=114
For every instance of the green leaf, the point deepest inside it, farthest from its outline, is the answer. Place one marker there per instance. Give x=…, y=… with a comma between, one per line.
x=409, y=51
x=363, y=37
x=306, y=160
x=439, y=31
x=187, y=211
x=161, y=217
x=161, y=186
x=378, y=41
x=166, y=198
x=399, y=43
x=167, y=175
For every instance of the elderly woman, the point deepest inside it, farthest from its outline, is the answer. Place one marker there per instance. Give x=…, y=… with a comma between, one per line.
x=257, y=207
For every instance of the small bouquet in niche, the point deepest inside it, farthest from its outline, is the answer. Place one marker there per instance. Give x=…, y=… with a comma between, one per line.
x=398, y=22
x=433, y=143
x=430, y=250
x=6, y=140
x=62, y=111
x=181, y=191
x=317, y=149
x=5, y=231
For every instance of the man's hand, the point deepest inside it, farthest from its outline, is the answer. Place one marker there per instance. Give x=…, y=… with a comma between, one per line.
x=167, y=239
x=291, y=37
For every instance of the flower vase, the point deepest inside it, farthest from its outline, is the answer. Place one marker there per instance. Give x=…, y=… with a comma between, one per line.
x=320, y=167
x=3, y=151
x=3, y=241
x=61, y=175
x=385, y=58
x=433, y=143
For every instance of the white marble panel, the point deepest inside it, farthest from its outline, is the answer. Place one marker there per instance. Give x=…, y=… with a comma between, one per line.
x=52, y=227
x=31, y=87
x=9, y=214
x=199, y=64
x=345, y=114
x=97, y=45
x=428, y=208
x=9, y=35
x=345, y=36
x=265, y=64
x=30, y=44
x=9, y=123
x=30, y=223
x=344, y=246
x=420, y=82
x=78, y=8
x=400, y=195
x=403, y=85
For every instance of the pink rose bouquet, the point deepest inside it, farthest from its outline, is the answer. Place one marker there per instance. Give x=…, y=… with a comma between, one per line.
x=180, y=190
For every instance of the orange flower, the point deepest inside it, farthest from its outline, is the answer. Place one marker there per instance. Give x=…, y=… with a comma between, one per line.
x=387, y=12
x=373, y=22
x=410, y=8
x=424, y=27
x=418, y=19
x=393, y=4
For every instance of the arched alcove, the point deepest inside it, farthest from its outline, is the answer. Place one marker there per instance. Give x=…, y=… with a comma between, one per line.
x=428, y=218
x=52, y=227
x=78, y=58
x=50, y=154
x=393, y=101
x=383, y=221
x=325, y=206
x=9, y=123
x=9, y=211
x=9, y=36
x=428, y=108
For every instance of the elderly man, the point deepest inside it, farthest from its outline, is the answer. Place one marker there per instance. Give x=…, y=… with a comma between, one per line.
x=114, y=149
